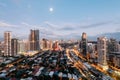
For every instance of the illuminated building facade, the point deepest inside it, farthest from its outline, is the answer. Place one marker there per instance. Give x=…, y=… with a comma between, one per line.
x=23, y=46
x=46, y=44
x=102, y=51
x=7, y=43
x=83, y=44
x=56, y=46
x=34, y=40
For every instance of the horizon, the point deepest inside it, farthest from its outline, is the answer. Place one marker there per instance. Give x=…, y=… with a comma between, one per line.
x=59, y=18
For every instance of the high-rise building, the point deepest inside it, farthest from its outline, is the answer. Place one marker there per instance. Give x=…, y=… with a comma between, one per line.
x=23, y=46
x=113, y=45
x=102, y=52
x=34, y=40
x=113, y=56
x=83, y=44
x=7, y=43
x=14, y=47
x=46, y=44
x=114, y=59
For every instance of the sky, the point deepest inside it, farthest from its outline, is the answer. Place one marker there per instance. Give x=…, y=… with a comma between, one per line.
x=59, y=18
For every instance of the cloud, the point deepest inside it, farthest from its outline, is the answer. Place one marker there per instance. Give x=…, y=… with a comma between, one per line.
x=25, y=24
x=74, y=30
x=46, y=32
x=4, y=24
x=50, y=25
x=68, y=28
x=62, y=30
x=31, y=26
x=95, y=24
x=43, y=30
x=73, y=26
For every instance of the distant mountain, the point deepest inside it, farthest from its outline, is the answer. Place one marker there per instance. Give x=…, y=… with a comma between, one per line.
x=92, y=38
x=115, y=35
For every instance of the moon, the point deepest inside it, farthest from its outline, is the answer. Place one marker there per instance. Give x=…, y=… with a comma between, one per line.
x=51, y=9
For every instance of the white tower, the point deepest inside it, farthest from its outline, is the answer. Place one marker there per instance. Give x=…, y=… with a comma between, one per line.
x=102, y=52
x=7, y=43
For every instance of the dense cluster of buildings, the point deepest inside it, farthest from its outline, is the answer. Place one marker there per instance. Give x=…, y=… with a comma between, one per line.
x=105, y=52
x=13, y=46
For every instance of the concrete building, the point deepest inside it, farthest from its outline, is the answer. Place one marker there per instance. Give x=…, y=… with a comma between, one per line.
x=83, y=44
x=7, y=43
x=117, y=61
x=46, y=44
x=113, y=49
x=56, y=46
x=34, y=40
x=23, y=46
x=14, y=46
x=114, y=59
x=113, y=45
x=102, y=52
x=2, y=48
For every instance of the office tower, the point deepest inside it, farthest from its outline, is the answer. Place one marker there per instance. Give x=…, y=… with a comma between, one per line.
x=113, y=56
x=117, y=60
x=112, y=45
x=83, y=44
x=102, y=52
x=23, y=46
x=14, y=47
x=114, y=59
x=46, y=44
x=34, y=40
x=7, y=43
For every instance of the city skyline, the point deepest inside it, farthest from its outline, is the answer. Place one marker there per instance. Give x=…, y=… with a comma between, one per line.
x=59, y=19
x=59, y=40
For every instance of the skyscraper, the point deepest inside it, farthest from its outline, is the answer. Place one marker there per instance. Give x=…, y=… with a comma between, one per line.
x=14, y=46
x=34, y=40
x=102, y=51
x=83, y=44
x=7, y=43
x=23, y=46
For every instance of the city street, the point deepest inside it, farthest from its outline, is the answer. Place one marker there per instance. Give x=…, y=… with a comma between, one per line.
x=88, y=70
x=48, y=65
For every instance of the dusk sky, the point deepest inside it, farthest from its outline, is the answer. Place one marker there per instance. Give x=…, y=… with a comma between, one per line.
x=59, y=18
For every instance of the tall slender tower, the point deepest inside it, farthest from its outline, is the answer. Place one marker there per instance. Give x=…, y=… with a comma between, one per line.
x=102, y=51
x=83, y=44
x=34, y=40
x=37, y=40
x=7, y=43
x=14, y=46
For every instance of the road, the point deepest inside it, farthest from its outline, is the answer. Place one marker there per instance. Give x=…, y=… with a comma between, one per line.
x=94, y=72
x=47, y=65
